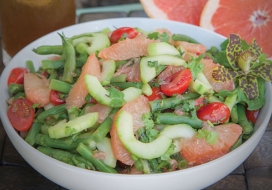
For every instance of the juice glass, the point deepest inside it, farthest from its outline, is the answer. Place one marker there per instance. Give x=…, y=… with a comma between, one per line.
x=23, y=21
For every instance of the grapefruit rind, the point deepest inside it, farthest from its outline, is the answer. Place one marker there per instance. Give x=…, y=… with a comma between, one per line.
x=152, y=10
x=207, y=14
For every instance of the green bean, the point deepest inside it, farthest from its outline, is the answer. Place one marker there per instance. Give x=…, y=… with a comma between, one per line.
x=45, y=140
x=124, y=85
x=52, y=64
x=70, y=60
x=182, y=163
x=48, y=49
x=30, y=66
x=79, y=161
x=44, y=129
x=15, y=88
x=60, y=86
x=234, y=114
x=81, y=59
x=67, y=157
x=81, y=47
x=102, y=130
x=243, y=121
x=138, y=165
x=52, y=111
x=172, y=119
x=172, y=102
x=33, y=132
x=86, y=153
x=183, y=37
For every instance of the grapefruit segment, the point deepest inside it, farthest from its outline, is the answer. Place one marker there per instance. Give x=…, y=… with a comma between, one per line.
x=136, y=108
x=131, y=69
x=77, y=94
x=37, y=89
x=126, y=49
x=250, y=19
x=198, y=151
x=102, y=110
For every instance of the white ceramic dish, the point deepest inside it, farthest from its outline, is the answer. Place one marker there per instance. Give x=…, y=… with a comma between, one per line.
x=72, y=177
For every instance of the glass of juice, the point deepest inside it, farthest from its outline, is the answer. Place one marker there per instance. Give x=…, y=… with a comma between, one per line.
x=23, y=21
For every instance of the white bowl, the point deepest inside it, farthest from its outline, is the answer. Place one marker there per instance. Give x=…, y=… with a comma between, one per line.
x=71, y=177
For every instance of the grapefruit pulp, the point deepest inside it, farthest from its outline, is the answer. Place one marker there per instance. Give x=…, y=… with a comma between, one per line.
x=250, y=19
x=187, y=11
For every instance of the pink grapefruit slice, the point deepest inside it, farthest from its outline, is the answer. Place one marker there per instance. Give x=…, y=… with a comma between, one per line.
x=250, y=19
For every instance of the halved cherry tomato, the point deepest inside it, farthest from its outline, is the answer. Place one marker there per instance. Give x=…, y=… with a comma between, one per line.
x=156, y=94
x=122, y=33
x=21, y=114
x=177, y=83
x=17, y=75
x=252, y=115
x=55, y=98
x=215, y=112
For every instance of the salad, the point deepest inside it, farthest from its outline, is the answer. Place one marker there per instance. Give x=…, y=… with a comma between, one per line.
x=138, y=102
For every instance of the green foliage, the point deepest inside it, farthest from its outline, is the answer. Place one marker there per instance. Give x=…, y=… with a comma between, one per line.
x=148, y=132
x=210, y=136
x=164, y=37
x=246, y=63
x=195, y=66
x=117, y=97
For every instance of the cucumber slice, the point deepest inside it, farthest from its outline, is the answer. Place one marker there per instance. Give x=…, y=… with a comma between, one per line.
x=105, y=146
x=148, y=72
x=162, y=48
x=98, y=92
x=201, y=87
x=108, y=69
x=65, y=129
x=119, y=78
x=154, y=149
x=201, y=84
x=131, y=93
x=98, y=41
x=178, y=131
x=147, y=90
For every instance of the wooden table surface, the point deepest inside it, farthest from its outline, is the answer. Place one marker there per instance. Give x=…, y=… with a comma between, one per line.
x=254, y=173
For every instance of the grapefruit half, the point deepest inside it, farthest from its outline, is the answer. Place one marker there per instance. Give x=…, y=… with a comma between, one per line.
x=250, y=19
x=187, y=11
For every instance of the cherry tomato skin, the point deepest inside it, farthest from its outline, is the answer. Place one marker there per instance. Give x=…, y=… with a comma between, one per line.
x=156, y=94
x=123, y=32
x=177, y=83
x=21, y=114
x=215, y=112
x=17, y=75
x=55, y=98
x=252, y=115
